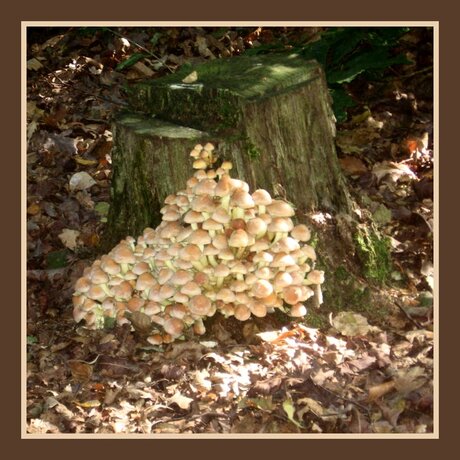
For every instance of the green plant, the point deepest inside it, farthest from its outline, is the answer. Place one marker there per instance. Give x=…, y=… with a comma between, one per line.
x=347, y=52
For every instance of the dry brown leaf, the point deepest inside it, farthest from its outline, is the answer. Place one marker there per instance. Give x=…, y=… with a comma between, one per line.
x=377, y=391
x=69, y=238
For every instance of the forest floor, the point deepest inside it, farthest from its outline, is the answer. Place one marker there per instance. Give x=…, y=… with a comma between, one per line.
x=265, y=376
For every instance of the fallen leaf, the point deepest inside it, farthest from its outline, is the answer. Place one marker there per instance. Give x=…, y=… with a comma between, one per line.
x=191, y=78
x=81, y=371
x=377, y=391
x=352, y=166
x=69, y=238
x=410, y=380
x=289, y=408
x=351, y=324
x=34, y=64
x=182, y=401
x=81, y=181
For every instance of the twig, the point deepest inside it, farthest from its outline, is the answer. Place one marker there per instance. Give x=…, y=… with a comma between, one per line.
x=364, y=408
x=409, y=317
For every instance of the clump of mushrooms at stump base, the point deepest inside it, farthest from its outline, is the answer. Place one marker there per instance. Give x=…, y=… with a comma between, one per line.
x=219, y=248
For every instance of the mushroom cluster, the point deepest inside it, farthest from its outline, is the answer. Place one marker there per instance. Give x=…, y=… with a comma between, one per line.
x=219, y=248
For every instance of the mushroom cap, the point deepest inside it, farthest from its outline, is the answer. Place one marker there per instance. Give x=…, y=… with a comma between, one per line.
x=200, y=305
x=242, y=312
x=181, y=277
x=95, y=292
x=220, y=242
x=176, y=310
x=261, y=197
x=211, y=224
x=152, y=308
x=205, y=187
x=166, y=291
x=155, y=339
x=98, y=276
x=292, y=294
x=83, y=284
x=309, y=252
x=140, y=267
x=220, y=215
x=193, y=217
x=264, y=273
x=224, y=187
x=262, y=257
x=164, y=275
x=226, y=165
x=203, y=203
x=110, y=266
x=261, y=288
x=282, y=259
x=173, y=327
x=298, y=310
x=226, y=295
x=170, y=230
x=238, y=239
x=198, y=327
x=282, y=280
x=301, y=233
x=122, y=291
x=280, y=208
x=225, y=254
x=123, y=254
x=145, y=281
x=191, y=289
x=199, y=236
x=286, y=244
x=241, y=199
x=190, y=253
x=135, y=304
x=316, y=277
x=257, y=308
x=256, y=226
x=280, y=224
x=199, y=164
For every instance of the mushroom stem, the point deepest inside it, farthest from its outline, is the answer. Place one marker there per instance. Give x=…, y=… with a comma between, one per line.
x=212, y=260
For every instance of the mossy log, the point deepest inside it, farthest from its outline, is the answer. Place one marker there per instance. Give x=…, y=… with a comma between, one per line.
x=271, y=116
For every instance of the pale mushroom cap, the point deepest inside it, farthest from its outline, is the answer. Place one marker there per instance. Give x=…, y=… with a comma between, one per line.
x=164, y=275
x=242, y=312
x=83, y=284
x=226, y=254
x=181, y=277
x=282, y=259
x=226, y=295
x=122, y=291
x=155, y=339
x=224, y=186
x=220, y=242
x=95, y=292
x=145, y=281
x=110, y=266
x=220, y=215
x=292, y=294
x=199, y=164
x=316, y=277
x=261, y=288
x=152, y=308
x=280, y=224
x=256, y=226
x=238, y=239
x=205, y=187
x=257, y=308
x=190, y=253
x=279, y=208
x=211, y=224
x=135, y=304
x=173, y=327
x=226, y=165
x=166, y=291
x=241, y=199
x=286, y=244
x=264, y=273
x=298, y=310
x=200, y=305
x=261, y=197
x=238, y=286
x=198, y=327
x=171, y=230
x=190, y=289
x=203, y=203
x=193, y=217
x=122, y=254
x=98, y=276
x=282, y=280
x=301, y=233
x=140, y=267
x=309, y=251
x=199, y=237
x=176, y=310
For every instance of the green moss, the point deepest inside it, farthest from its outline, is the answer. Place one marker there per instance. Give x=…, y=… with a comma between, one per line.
x=373, y=251
x=252, y=150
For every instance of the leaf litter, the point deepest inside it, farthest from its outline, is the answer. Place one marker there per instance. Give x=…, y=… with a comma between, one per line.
x=360, y=376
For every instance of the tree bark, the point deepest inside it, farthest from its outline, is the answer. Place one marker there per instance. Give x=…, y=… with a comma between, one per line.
x=271, y=116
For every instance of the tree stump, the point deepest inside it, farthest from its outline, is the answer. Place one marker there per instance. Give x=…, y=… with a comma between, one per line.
x=270, y=115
